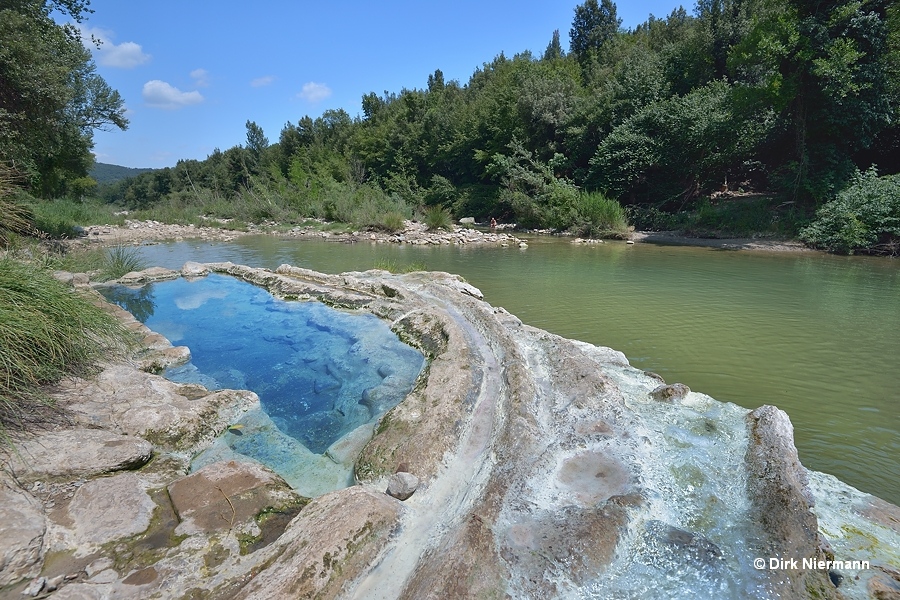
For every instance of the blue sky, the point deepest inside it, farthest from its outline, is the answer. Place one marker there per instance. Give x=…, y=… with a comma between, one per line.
x=193, y=73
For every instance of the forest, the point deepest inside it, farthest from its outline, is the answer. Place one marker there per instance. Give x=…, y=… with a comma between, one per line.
x=743, y=116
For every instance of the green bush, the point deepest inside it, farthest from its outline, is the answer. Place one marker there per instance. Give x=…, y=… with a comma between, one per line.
x=390, y=222
x=47, y=331
x=864, y=217
x=599, y=216
x=438, y=217
x=59, y=218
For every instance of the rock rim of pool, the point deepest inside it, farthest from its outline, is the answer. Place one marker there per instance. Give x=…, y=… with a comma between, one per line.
x=545, y=468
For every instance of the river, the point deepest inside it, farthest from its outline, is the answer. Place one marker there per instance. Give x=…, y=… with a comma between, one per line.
x=816, y=335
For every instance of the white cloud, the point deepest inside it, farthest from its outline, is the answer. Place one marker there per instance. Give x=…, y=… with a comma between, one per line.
x=200, y=77
x=314, y=92
x=160, y=94
x=126, y=55
x=262, y=81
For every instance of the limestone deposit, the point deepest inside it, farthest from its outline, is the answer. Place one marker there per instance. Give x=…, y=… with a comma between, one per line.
x=413, y=232
x=541, y=468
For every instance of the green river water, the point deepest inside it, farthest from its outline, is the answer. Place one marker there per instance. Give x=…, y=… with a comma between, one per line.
x=816, y=335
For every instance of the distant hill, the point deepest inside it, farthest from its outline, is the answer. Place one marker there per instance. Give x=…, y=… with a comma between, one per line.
x=105, y=173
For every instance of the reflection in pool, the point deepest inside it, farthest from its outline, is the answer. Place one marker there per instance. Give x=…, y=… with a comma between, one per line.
x=323, y=376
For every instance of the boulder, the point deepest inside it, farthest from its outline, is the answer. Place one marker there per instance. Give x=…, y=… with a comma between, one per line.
x=402, y=485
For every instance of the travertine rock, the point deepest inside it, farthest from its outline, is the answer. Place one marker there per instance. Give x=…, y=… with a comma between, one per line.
x=73, y=453
x=22, y=527
x=334, y=540
x=778, y=489
x=109, y=508
x=226, y=494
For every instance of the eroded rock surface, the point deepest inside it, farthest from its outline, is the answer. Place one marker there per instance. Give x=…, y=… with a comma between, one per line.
x=129, y=401
x=73, y=453
x=548, y=468
x=334, y=540
x=779, y=492
x=109, y=508
x=22, y=524
x=223, y=495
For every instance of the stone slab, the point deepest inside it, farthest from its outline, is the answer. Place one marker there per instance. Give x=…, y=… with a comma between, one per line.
x=225, y=494
x=74, y=453
x=110, y=508
x=23, y=526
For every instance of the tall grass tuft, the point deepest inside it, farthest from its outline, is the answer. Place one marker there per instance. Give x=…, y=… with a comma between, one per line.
x=391, y=222
x=48, y=331
x=15, y=220
x=119, y=260
x=438, y=217
x=392, y=266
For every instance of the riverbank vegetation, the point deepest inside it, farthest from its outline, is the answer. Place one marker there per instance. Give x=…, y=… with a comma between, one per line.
x=48, y=331
x=743, y=117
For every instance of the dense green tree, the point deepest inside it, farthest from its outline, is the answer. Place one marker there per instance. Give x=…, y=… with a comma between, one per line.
x=594, y=26
x=780, y=96
x=823, y=67
x=257, y=142
x=554, y=48
x=673, y=150
x=51, y=98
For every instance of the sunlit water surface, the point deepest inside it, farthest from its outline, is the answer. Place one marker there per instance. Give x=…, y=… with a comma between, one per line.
x=816, y=335
x=320, y=373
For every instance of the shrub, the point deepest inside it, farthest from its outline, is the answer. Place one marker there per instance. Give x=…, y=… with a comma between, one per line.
x=864, y=217
x=47, y=331
x=391, y=222
x=58, y=218
x=438, y=217
x=599, y=216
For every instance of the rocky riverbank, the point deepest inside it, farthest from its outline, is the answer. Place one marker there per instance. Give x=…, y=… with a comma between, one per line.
x=545, y=467
x=137, y=232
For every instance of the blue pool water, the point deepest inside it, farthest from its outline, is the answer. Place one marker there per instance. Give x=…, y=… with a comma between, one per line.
x=320, y=373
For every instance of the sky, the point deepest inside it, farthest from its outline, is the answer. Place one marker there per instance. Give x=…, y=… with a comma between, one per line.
x=193, y=73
